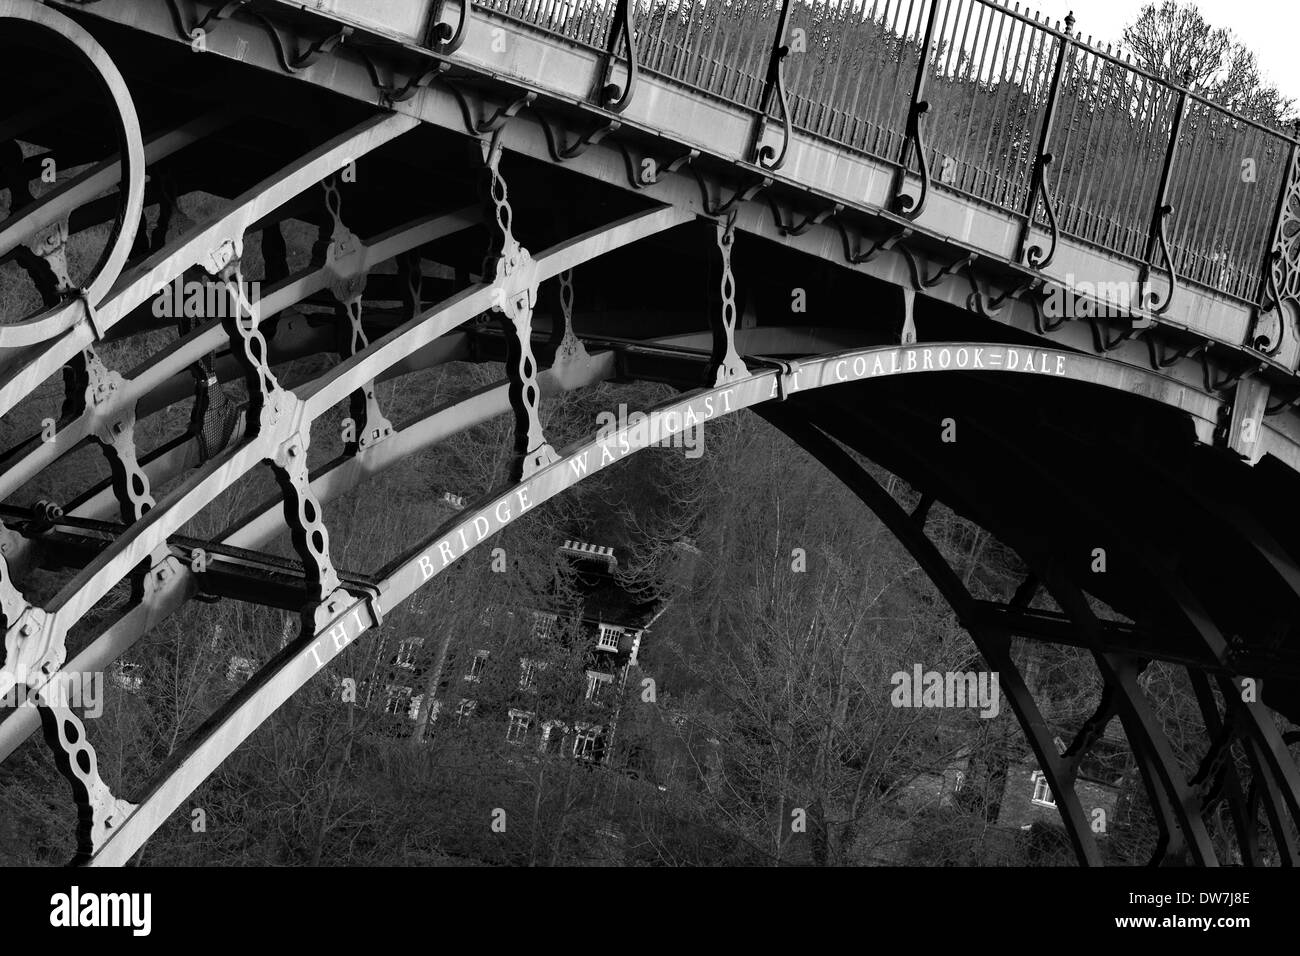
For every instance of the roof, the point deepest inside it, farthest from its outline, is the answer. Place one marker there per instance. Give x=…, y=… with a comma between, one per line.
x=604, y=597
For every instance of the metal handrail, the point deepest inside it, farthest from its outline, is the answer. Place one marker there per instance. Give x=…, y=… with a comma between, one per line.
x=1040, y=112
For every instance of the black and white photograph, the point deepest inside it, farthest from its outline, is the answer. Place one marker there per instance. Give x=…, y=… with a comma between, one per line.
x=726, y=437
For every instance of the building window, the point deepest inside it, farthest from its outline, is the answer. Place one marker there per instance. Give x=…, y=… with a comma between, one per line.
x=520, y=721
x=609, y=637
x=528, y=670
x=598, y=685
x=465, y=709
x=240, y=667
x=127, y=676
x=545, y=625
x=584, y=742
x=476, y=665
x=1042, y=792
x=398, y=701
x=406, y=650
x=552, y=736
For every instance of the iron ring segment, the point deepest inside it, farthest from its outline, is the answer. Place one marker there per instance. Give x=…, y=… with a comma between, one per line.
x=130, y=159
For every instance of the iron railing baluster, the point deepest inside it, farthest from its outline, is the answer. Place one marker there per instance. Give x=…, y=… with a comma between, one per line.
x=1039, y=185
x=1158, y=236
x=906, y=205
x=774, y=85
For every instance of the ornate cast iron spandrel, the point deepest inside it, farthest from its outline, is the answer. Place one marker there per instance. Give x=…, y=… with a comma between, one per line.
x=99, y=812
x=1281, y=295
x=512, y=271
x=344, y=260
x=726, y=364
x=568, y=347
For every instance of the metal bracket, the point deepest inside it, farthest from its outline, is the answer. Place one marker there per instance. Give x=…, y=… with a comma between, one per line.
x=416, y=83
x=505, y=113
x=636, y=175
x=561, y=153
x=816, y=219
x=744, y=194
x=883, y=245
x=1033, y=284
x=372, y=595
x=319, y=48
x=1104, y=343
x=51, y=246
x=1158, y=358
x=217, y=14
x=787, y=374
x=587, y=140
x=92, y=314
x=929, y=282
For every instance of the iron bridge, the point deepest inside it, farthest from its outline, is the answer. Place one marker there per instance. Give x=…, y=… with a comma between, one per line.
x=1097, y=292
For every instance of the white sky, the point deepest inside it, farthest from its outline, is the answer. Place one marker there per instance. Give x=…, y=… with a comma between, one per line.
x=1271, y=28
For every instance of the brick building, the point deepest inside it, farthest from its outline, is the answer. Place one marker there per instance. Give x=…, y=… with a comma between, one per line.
x=551, y=677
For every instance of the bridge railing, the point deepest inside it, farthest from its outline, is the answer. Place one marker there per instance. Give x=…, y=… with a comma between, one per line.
x=1130, y=153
